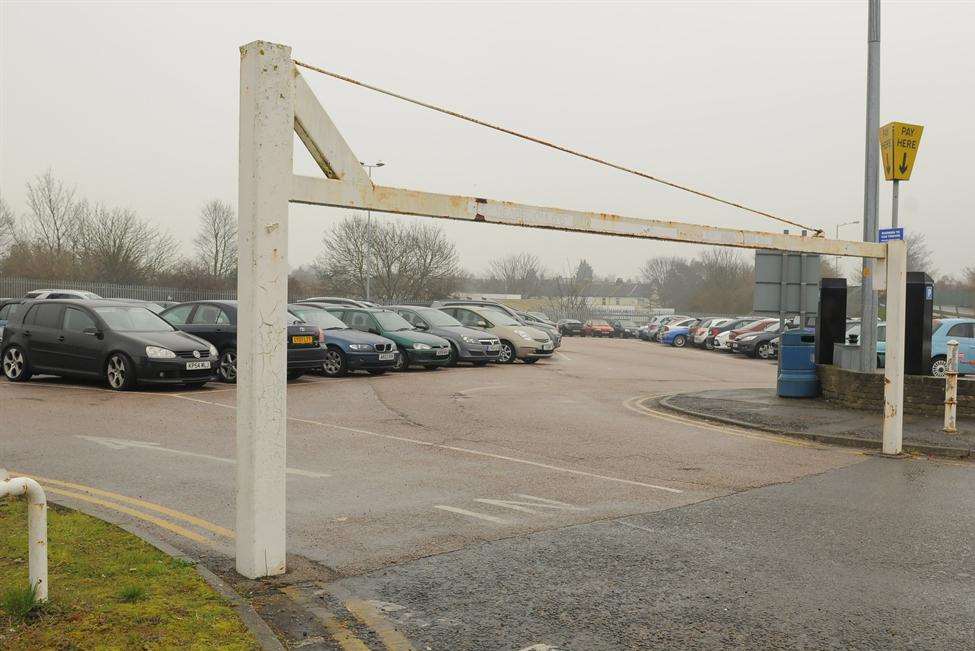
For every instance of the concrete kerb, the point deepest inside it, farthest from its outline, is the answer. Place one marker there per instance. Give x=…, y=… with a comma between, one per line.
x=832, y=439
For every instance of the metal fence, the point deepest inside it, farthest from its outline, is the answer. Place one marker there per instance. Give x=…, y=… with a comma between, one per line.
x=11, y=287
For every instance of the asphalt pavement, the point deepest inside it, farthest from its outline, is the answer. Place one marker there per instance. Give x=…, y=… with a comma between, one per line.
x=505, y=507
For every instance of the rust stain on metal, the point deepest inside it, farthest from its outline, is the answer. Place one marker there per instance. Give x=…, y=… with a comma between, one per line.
x=479, y=217
x=480, y=200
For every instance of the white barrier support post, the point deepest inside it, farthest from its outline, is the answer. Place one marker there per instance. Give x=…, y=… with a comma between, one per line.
x=894, y=362
x=951, y=389
x=36, y=528
x=266, y=148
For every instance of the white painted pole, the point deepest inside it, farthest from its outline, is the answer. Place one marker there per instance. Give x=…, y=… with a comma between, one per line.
x=894, y=363
x=36, y=529
x=266, y=148
x=951, y=389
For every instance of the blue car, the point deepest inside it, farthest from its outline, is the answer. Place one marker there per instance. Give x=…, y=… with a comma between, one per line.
x=678, y=336
x=348, y=349
x=943, y=331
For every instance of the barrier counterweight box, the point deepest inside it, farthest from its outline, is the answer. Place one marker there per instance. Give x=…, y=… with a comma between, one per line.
x=831, y=319
x=917, y=333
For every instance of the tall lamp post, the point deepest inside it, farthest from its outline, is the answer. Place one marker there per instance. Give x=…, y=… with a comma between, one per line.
x=369, y=167
x=836, y=259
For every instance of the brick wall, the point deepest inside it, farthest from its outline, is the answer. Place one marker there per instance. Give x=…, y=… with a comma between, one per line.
x=922, y=395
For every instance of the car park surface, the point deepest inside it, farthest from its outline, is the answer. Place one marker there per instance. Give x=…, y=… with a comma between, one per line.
x=416, y=348
x=216, y=322
x=477, y=347
x=120, y=343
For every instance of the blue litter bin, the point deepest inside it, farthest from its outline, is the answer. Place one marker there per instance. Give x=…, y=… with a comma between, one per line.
x=797, y=365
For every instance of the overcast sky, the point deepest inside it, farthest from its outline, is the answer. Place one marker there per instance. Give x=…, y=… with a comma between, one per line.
x=136, y=105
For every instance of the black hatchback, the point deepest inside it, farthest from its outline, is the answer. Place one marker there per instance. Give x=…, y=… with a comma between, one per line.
x=216, y=321
x=122, y=343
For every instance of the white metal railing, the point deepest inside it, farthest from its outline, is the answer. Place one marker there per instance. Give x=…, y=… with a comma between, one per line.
x=36, y=527
x=951, y=389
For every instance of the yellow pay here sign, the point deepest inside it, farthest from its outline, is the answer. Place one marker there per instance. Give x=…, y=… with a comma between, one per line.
x=899, y=143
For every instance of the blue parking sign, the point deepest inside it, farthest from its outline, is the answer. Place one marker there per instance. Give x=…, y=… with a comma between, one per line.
x=891, y=234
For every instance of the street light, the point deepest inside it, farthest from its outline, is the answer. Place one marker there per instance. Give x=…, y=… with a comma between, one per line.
x=369, y=167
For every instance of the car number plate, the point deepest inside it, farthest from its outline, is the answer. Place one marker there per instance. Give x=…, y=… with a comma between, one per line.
x=546, y=346
x=443, y=351
x=384, y=357
x=196, y=366
x=304, y=339
x=494, y=347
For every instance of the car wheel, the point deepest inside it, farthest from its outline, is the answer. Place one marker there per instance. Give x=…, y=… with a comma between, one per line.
x=334, y=364
x=765, y=351
x=16, y=366
x=709, y=344
x=454, y=355
x=294, y=375
x=402, y=361
x=227, y=366
x=377, y=371
x=939, y=366
x=507, y=354
x=680, y=341
x=119, y=372
x=530, y=360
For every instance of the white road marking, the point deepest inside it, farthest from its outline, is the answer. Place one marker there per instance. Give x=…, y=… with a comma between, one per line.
x=486, y=387
x=490, y=455
x=122, y=444
x=471, y=514
x=561, y=354
x=536, y=502
x=635, y=526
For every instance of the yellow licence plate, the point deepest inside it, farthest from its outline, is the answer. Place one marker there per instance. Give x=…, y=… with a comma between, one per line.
x=306, y=339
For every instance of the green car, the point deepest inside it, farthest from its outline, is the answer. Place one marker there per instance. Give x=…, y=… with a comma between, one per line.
x=417, y=348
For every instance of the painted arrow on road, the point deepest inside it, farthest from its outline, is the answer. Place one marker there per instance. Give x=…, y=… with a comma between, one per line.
x=122, y=444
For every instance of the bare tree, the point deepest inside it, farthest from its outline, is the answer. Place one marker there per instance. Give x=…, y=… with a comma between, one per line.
x=919, y=254
x=56, y=217
x=116, y=246
x=570, y=299
x=8, y=225
x=341, y=265
x=518, y=273
x=216, y=240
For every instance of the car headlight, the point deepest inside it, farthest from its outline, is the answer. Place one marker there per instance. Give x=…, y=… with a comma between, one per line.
x=213, y=350
x=157, y=352
x=469, y=340
x=523, y=334
x=747, y=338
x=360, y=347
x=421, y=347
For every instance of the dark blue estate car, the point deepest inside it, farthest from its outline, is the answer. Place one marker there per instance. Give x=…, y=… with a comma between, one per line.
x=347, y=349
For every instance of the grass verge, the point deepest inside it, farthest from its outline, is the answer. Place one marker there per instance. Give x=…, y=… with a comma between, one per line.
x=108, y=590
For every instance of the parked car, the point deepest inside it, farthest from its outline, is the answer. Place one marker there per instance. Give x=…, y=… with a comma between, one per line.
x=699, y=334
x=758, y=344
x=466, y=344
x=535, y=319
x=347, y=349
x=716, y=329
x=853, y=337
x=756, y=325
x=657, y=322
x=416, y=348
x=570, y=327
x=216, y=322
x=8, y=307
x=152, y=306
x=597, y=328
x=625, y=328
x=551, y=330
x=518, y=341
x=123, y=344
x=61, y=293
x=338, y=300
x=679, y=334
x=943, y=331
x=679, y=322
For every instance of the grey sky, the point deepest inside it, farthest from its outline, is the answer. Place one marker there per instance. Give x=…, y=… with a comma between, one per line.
x=136, y=105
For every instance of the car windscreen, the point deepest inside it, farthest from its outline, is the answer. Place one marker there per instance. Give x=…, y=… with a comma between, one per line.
x=599, y=322
x=392, y=321
x=437, y=318
x=499, y=318
x=320, y=318
x=132, y=319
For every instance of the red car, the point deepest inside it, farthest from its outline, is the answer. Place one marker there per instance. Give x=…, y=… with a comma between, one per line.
x=754, y=326
x=597, y=328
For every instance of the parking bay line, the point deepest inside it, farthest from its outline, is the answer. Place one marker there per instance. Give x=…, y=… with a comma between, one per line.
x=121, y=444
x=452, y=448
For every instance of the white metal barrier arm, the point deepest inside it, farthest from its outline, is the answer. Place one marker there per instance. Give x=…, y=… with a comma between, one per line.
x=329, y=192
x=36, y=529
x=894, y=357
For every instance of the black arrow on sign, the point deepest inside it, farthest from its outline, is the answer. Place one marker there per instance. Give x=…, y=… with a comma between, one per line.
x=903, y=166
